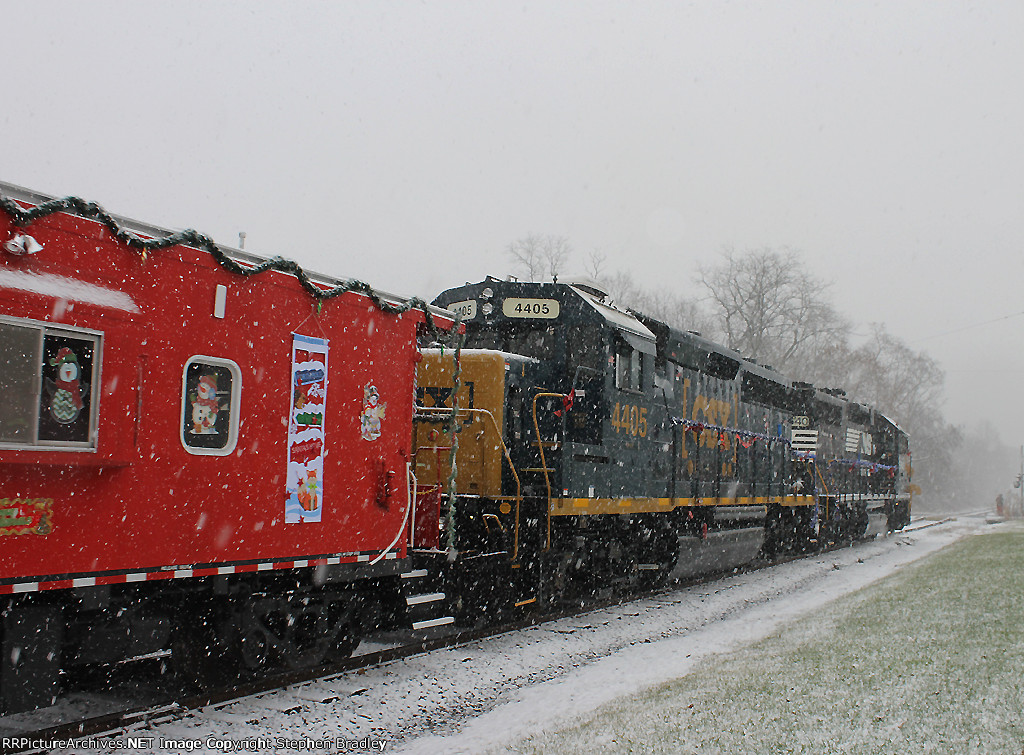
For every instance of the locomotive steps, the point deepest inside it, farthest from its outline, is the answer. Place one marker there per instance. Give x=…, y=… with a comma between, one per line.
x=425, y=600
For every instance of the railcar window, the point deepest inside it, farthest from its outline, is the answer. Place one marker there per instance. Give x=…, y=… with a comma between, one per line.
x=49, y=380
x=209, y=406
x=19, y=349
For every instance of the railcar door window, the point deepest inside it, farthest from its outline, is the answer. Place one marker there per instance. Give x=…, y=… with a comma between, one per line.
x=49, y=382
x=209, y=406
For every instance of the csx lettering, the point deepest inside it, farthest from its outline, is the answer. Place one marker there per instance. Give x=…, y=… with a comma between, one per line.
x=710, y=411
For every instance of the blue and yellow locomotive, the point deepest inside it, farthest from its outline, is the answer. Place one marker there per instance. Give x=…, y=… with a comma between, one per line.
x=597, y=447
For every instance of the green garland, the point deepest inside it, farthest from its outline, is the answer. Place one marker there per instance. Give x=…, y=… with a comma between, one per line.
x=190, y=237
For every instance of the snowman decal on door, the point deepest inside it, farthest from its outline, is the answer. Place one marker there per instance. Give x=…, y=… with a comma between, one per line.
x=205, y=406
x=373, y=413
x=66, y=391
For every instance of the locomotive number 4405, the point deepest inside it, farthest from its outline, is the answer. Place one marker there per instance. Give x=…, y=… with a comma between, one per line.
x=630, y=419
x=544, y=309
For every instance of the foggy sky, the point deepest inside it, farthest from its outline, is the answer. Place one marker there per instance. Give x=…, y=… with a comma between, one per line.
x=406, y=144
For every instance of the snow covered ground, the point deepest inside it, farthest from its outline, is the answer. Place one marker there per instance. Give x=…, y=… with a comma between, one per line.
x=485, y=695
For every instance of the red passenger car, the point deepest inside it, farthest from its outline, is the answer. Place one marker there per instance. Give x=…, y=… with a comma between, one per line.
x=185, y=442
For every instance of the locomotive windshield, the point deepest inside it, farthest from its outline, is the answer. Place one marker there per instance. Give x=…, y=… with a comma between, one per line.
x=536, y=342
x=539, y=343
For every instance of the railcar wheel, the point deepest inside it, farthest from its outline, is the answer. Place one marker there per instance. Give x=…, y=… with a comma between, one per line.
x=254, y=647
x=201, y=653
x=346, y=642
x=297, y=631
x=349, y=617
x=283, y=631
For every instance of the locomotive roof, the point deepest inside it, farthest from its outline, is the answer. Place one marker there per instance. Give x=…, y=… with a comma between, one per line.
x=147, y=230
x=592, y=300
x=616, y=317
x=681, y=345
x=644, y=332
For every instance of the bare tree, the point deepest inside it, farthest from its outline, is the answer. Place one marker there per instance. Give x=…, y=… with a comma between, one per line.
x=623, y=289
x=595, y=264
x=678, y=311
x=539, y=256
x=903, y=383
x=770, y=308
x=661, y=304
x=986, y=467
x=907, y=386
x=526, y=253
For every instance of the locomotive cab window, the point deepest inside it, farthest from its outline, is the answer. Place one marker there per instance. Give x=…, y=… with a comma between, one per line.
x=209, y=406
x=49, y=381
x=629, y=366
x=586, y=349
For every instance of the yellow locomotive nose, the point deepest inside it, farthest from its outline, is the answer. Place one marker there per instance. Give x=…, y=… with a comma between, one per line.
x=480, y=420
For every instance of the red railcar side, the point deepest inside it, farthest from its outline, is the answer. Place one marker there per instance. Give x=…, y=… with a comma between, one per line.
x=164, y=417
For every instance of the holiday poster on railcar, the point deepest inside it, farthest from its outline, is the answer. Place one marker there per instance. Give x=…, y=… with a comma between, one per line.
x=304, y=487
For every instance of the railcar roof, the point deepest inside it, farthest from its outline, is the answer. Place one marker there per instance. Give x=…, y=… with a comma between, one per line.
x=147, y=230
x=677, y=342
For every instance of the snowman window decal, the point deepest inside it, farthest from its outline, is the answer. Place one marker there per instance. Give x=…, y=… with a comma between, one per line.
x=209, y=420
x=65, y=401
x=66, y=392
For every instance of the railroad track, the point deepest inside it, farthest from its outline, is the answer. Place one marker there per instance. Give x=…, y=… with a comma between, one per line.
x=923, y=524
x=38, y=728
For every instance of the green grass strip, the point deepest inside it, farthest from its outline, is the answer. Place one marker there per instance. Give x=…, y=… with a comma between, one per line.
x=928, y=660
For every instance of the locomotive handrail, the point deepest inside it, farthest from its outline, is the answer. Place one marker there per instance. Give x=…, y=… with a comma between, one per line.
x=515, y=474
x=543, y=461
x=411, y=486
x=824, y=485
x=508, y=458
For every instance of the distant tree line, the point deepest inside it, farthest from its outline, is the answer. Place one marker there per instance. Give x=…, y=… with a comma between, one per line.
x=765, y=304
